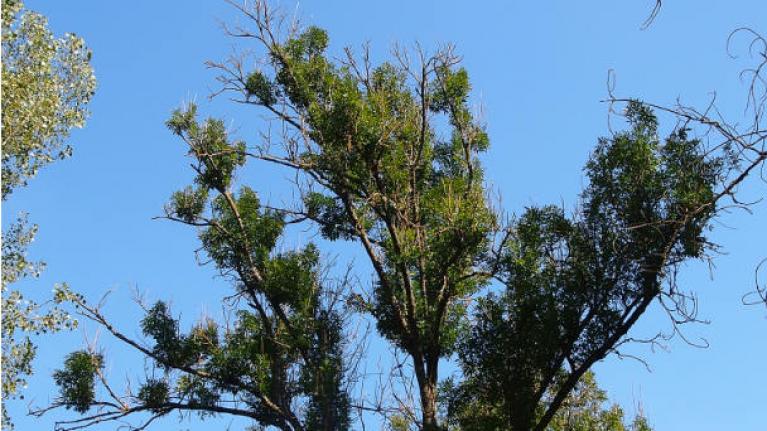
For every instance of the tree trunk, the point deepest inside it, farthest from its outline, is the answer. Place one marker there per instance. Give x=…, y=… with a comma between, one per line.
x=427, y=382
x=429, y=407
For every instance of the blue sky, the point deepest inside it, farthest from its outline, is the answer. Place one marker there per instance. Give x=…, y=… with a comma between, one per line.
x=539, y=70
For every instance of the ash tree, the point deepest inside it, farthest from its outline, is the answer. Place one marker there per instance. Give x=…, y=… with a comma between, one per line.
x=387, y=156
x=281, y=363
x=580, y=282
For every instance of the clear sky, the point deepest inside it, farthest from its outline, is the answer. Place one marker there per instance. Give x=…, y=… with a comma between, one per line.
x=538, y=69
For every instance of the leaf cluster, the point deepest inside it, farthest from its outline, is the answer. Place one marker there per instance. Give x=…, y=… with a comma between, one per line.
x=77, y=380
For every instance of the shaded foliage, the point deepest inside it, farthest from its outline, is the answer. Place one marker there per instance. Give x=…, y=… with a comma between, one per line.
x=77, y=380
x=579, y=283
x=585, y=409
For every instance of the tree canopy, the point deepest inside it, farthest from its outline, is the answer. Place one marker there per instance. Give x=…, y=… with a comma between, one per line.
x=387, y=156
x=47, y=83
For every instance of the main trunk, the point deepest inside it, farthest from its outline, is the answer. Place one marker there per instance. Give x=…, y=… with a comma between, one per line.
x=426, y=374
x=429, y=407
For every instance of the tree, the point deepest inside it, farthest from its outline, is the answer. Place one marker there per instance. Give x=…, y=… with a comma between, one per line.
x=46, y=85
x=581, y=282
x=584, y=410
x=387, y=156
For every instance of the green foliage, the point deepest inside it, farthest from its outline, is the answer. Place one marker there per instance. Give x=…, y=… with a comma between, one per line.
x=289, y=278
x=171, y=348
x=77, y=380
x=376, y=155
x=198, y=394
x=391, y=152
x=217, y=157
x=188, y=204
x=261, y=87
x=398, y=423
x=22, y=317
x=290, y=332
x=250, y=361
x=232, y=246
x=648, y=192
x=46, y=83
x=572, y=284
x=585, y=409
x=328, y=407
x=245, y=355
x=452, y=89
x=331, y=216
x=388, y=179
x=154, y=394
x=309, y=44
x=417, y=202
